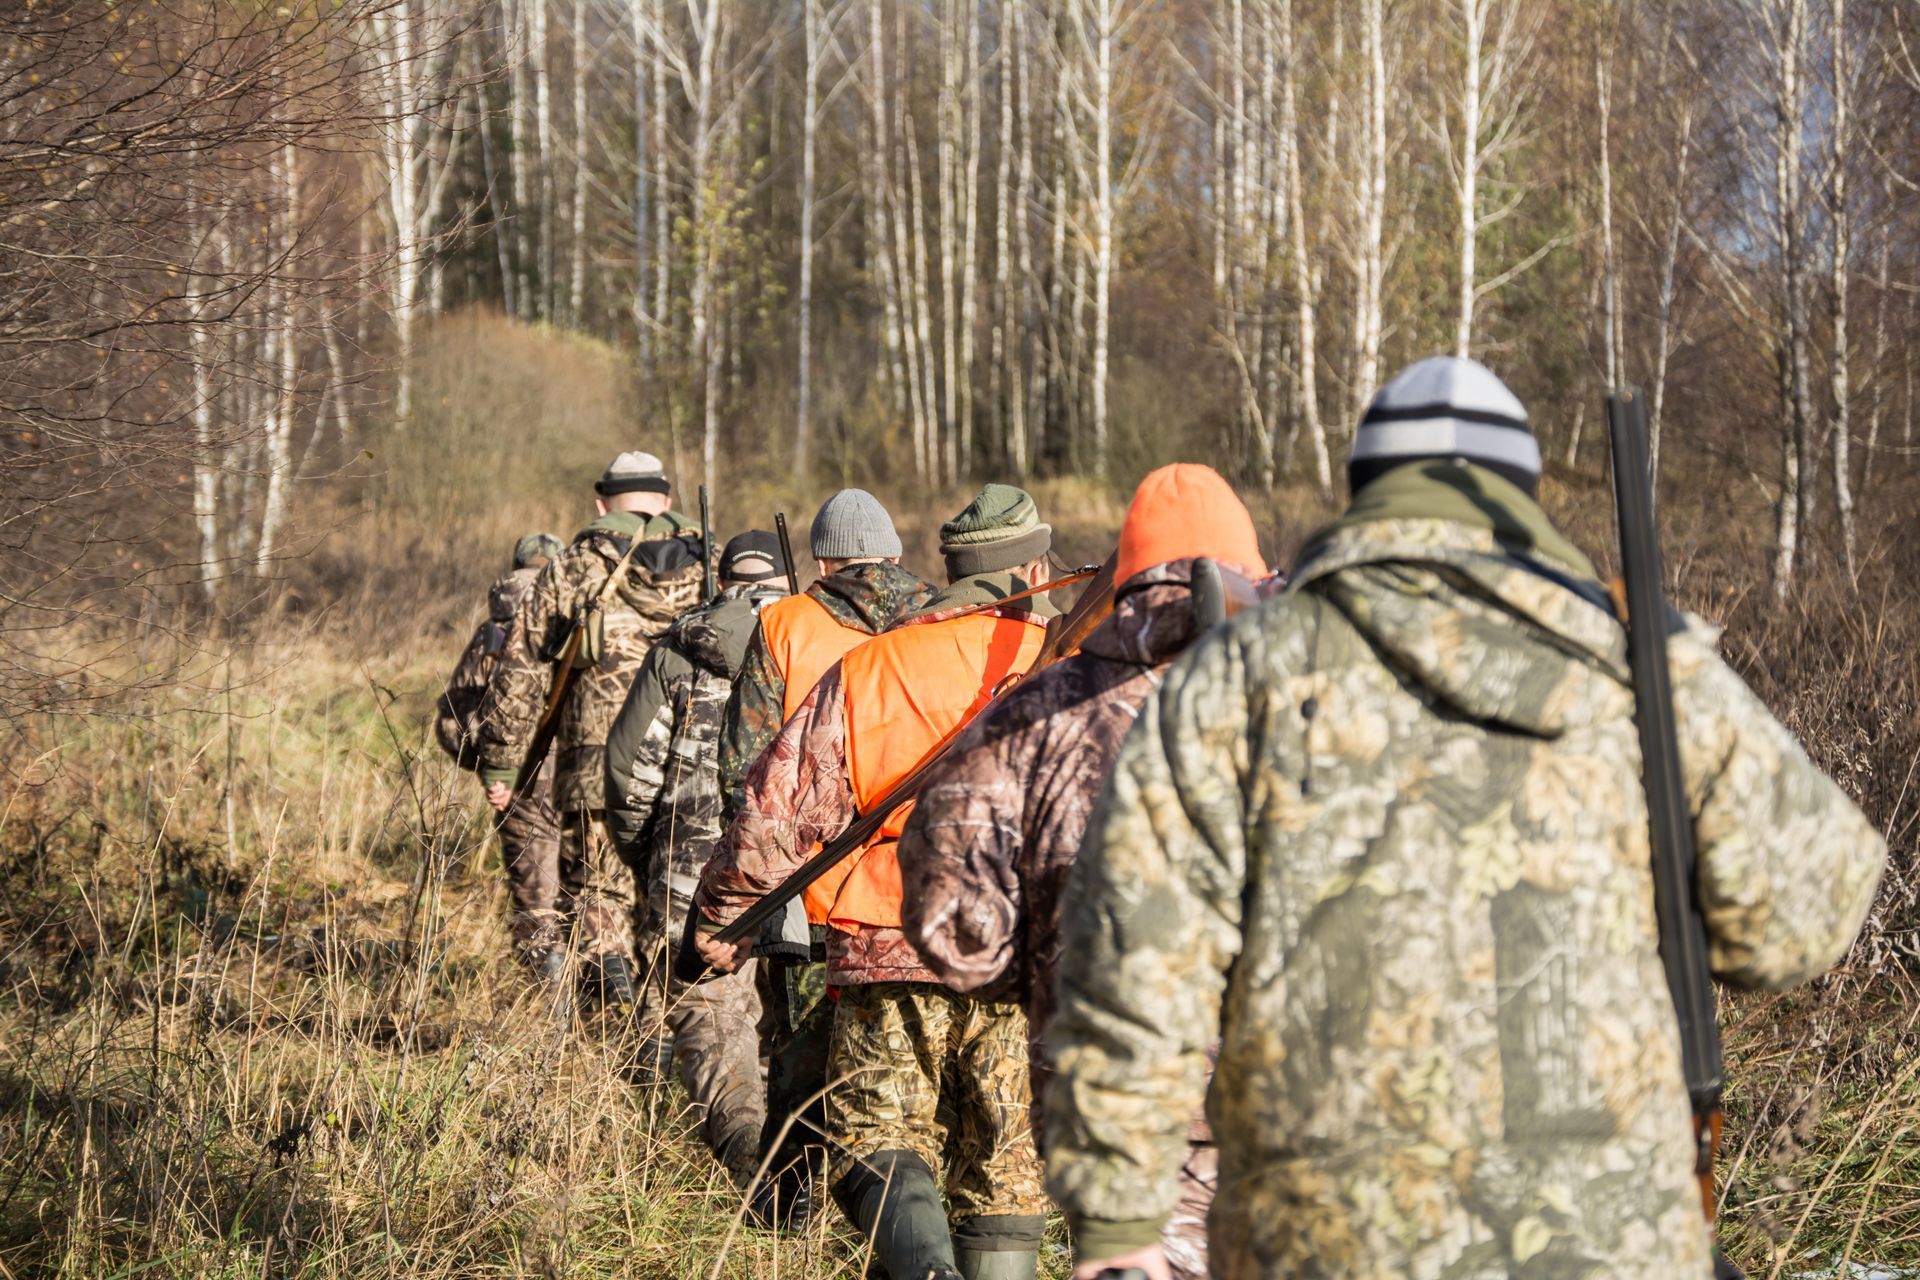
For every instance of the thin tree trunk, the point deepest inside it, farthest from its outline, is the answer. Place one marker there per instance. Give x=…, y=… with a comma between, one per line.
x=1023, y=331
x=1001, y=306
x=1796, y=493
x=1664, y=327
x=1602, y=79
x=1840, y=365
x=496, y=214
x=644, y=321
x=937, y=446
x=1305, y=285
x=577, y=239
x=278, y=436
x=1368, y=322
x=522, y=158
x=969, y=232
x=1877, y=404
x=543, y=133
x=809, y=124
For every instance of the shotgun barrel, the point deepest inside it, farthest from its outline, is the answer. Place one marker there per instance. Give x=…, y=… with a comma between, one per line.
x=1683, y=932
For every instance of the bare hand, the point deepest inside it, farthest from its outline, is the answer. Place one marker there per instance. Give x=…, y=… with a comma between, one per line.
x=1151, y=1260
x=721, y=956
x=499, y=795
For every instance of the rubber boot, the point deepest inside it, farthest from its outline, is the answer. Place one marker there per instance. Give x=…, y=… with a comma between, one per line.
x=892, y=1197
x=999, y=1247
x=608, y=984
x=997, y=1265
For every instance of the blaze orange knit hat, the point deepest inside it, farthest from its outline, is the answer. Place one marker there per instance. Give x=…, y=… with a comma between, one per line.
x=1187, y=510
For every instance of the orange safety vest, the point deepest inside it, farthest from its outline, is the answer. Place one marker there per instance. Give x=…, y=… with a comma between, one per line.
x=804, y=639
x=903, y=692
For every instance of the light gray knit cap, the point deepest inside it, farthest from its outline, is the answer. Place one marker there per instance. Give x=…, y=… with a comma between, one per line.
x=852, y=525
x=632, y=472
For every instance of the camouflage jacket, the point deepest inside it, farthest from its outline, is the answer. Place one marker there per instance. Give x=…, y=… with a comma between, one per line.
x=985, y=856
x=661, y=580
x=867, y=597
x=456, y=714
x=1385, y=837
x=798, y=794
x=662, y=762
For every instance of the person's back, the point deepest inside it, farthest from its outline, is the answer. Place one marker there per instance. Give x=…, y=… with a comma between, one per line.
x=663, y=805
x=1387, y=835
x=529, y=828
x=861, y=590
x=619, y=582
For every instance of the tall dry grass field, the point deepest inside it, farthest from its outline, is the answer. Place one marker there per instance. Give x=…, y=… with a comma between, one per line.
x=256, y=1017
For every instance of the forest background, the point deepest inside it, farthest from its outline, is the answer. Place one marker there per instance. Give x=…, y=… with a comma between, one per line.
x=310, y=309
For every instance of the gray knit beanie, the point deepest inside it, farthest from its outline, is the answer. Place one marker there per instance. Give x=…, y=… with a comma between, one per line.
x=852, y=525
x=1445, y=407
x=632, y=472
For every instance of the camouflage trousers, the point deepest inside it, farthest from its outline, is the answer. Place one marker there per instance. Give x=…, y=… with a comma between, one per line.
x=597, y=893
x=916, y=1067
x=1185, y=1238
x=716, y=1028
x=798, y=1026
x=530, y=851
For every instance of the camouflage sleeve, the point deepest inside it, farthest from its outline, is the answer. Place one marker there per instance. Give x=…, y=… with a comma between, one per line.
x=1788, y=865
x=959, y=858
x=752, y=719
x=797, y=795
x=637, y=748
x=1150, y=925
x=517, y=693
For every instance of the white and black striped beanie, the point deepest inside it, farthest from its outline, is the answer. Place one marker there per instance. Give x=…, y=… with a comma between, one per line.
x=1445, y=407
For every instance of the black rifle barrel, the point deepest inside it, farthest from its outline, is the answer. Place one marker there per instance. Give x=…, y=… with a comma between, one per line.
x=1683, y=933
x=706, y=548
x=786, y=550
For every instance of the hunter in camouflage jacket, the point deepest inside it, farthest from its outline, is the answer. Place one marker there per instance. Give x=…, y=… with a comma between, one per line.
x=869, y=596
x=1385, y=838
x=799, y=793
x=661, y=580
x=985, y=856
x=456, y=714
x=662, y=784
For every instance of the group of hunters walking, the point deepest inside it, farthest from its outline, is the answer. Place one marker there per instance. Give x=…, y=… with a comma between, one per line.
x=1266, y=925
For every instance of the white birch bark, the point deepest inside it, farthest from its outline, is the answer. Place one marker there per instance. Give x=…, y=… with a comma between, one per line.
x=1840, y=216
x=519, y=86
x=1666, y=324
x=1370, y=253
x=1306, y=285
x=414, y=63
x=810, y=21
x=1795, y=510
x=537, y=59
x=1877, y=378
x=277, y=433
x=577, y=205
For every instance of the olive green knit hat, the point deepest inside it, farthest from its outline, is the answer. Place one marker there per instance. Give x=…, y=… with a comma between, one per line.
x=999, y=530
x=536, y=546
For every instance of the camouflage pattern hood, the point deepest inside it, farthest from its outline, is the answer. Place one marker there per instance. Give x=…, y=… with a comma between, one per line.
x=1527, y=645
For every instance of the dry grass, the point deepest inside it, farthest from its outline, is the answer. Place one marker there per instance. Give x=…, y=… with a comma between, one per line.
x=299, y=1051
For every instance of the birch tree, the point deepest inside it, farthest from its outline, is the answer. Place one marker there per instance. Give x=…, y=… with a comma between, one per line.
x=415, y=60
x=1487, y=122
